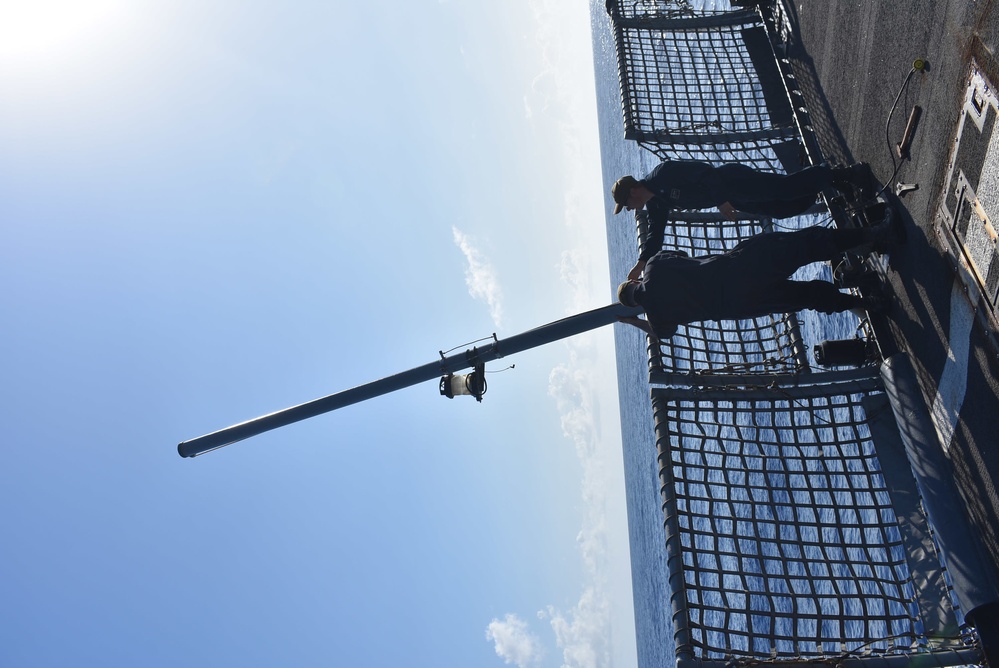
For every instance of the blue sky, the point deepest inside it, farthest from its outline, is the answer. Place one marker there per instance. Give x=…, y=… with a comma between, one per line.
x=213, y=210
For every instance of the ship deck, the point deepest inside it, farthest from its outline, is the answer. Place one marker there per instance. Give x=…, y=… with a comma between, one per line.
x=852, y=60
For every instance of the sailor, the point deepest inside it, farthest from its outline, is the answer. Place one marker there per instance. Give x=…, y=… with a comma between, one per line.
x=750, y=280
x=732, y=188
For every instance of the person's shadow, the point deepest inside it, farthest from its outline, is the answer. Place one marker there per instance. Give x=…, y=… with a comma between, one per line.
x=827, y=131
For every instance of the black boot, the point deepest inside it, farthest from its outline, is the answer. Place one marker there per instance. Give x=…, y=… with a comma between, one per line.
x=857, y=177
x=890, y=232
x=876, y=304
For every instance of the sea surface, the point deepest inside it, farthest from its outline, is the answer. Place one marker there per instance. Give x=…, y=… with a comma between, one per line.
x=645, y=518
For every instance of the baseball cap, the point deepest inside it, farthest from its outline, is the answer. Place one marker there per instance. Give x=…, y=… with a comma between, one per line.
x=626, y=293
x=620, y=191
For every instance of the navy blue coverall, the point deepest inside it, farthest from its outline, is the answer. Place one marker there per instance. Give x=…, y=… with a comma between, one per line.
x=691, y=184
x=748, y=281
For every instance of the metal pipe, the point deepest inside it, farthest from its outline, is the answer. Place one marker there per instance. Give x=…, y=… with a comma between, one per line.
x=538, y=336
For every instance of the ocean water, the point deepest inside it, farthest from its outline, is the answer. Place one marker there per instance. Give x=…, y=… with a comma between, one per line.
x=645, y=519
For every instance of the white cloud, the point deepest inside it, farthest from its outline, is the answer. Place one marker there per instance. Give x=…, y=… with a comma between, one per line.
x=514, y=642
x=563, y=91
x=480, y=277
x=583, y=633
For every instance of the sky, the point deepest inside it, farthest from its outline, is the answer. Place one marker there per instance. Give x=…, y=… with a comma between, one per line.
x=212, y=210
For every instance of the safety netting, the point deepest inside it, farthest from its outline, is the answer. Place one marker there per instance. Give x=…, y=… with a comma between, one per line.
x=782, y=537
x=704, y=85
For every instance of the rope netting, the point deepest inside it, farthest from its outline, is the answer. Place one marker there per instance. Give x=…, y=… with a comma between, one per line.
x=783, y=540
x=706, y=87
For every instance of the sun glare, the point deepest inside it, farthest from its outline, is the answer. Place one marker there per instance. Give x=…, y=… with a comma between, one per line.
x=34, y=30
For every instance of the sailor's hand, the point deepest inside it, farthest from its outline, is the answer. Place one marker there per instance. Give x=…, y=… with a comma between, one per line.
x=728, y=211
x=636, y=272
